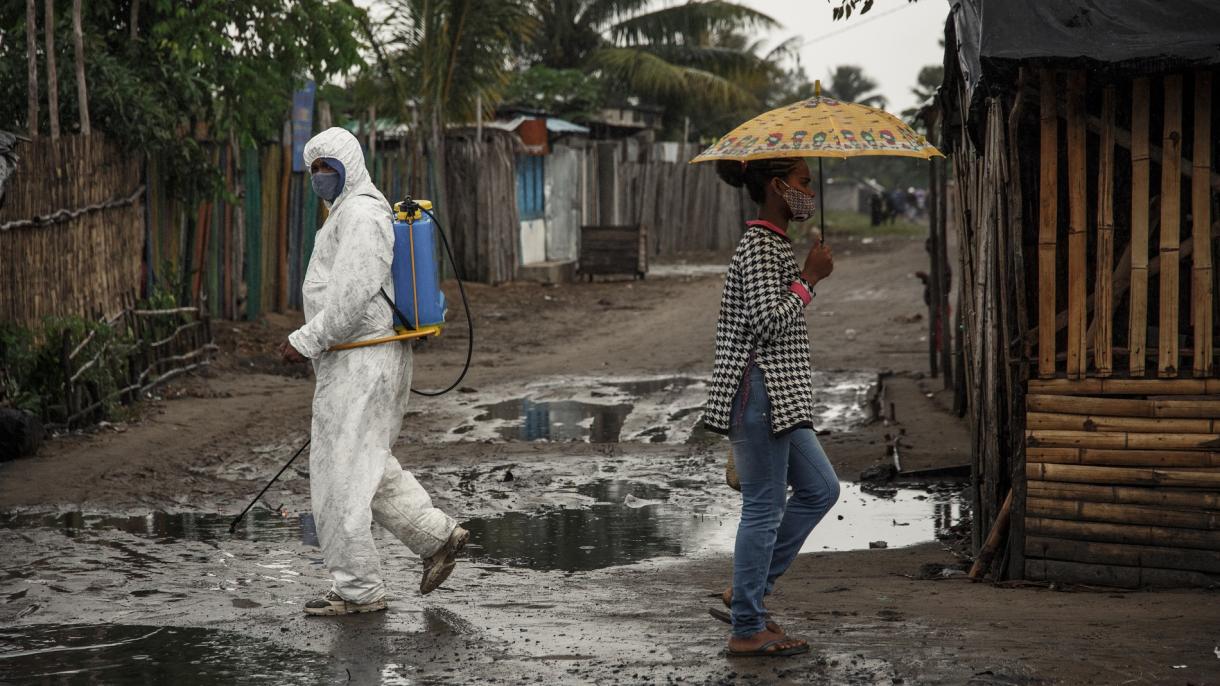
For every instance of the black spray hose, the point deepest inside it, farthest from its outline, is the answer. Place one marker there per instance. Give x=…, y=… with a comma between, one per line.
x=465, y=305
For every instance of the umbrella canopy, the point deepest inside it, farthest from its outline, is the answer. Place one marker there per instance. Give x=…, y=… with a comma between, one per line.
x=820, y=127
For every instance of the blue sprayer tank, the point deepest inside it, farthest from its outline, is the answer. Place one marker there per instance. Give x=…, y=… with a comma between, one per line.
x=416, y=270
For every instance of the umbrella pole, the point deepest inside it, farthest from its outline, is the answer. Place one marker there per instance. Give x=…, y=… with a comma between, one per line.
x=822, y=204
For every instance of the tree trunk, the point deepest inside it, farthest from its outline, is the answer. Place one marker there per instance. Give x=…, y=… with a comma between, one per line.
x=135, y=19
x=52, y=78
x=82, y=91
x=31, y=34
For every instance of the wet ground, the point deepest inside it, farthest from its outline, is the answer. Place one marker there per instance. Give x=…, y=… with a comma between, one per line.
x=99, y=593
x=602, y=523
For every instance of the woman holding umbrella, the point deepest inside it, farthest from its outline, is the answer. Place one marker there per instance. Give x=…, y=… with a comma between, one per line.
x=762, y=396
x=762, y=387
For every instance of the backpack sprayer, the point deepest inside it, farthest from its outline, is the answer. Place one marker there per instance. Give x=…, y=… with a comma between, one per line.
x=417, y=287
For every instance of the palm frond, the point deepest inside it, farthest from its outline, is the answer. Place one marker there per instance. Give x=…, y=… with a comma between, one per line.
x=650, y=75
x=688, y=22
x=598, y=14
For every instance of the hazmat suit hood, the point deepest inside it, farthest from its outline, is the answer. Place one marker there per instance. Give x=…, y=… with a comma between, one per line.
x=340, y=144
x=351, y=257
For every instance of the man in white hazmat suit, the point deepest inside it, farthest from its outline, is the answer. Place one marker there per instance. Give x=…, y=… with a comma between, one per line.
x=361, y=394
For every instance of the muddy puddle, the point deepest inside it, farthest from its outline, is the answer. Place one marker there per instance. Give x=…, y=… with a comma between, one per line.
x=114, y=653
x=624, y=522
x=598, y=410
x=631, y=522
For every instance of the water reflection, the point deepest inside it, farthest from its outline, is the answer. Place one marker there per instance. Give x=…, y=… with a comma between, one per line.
x=565, y=420
x=259, y=524
x=657, y=410
x=633, y=522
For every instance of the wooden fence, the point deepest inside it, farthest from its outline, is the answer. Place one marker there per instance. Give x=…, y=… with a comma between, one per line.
x=71, y=228
x=144, y=348
x=685, y=206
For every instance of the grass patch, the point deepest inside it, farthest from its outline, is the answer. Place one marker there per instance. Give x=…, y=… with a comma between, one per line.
x=857, y=224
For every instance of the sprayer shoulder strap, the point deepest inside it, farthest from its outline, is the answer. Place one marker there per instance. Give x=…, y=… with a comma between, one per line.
x=401, y=316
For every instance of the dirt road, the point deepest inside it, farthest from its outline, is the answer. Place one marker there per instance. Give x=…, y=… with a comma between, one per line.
x=598, y=508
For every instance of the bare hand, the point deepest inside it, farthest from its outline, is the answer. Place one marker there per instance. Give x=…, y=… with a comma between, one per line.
x=819, y=263
x=290, y=354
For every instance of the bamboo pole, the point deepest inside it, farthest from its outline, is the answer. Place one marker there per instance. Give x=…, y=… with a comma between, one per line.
x=1047, y=225
x=1126, y=458
x=1125, y=386
x=1202, y=317
x=52, y=75
x=1103, y=290
x=1137, y=534
x=1127, y=476
x=1077, y=360
x=1140, y=171
x=1176, y=498
x=1121, y=440
x=1122, y=407
x=1122, y=554
x=1122, y=513
x=998, y=529
x=1088, y=422
x=1171, y=179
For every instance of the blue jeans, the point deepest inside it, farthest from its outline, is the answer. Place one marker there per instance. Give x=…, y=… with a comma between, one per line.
x=773, y=527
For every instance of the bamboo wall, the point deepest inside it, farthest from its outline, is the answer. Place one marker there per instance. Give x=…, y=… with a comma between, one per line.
x=1087, y=221
x=70, y=230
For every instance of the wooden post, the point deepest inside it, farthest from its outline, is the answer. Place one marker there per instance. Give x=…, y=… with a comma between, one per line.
x=1201, y=205
x=281, y=233
x=1047, y=225
x=1171, y=179
x=82, y=91
x=1077, y=354
x=52, y=77
x=1140, y=170
x=1103, y=290
x=31, y=44
x=933, y=284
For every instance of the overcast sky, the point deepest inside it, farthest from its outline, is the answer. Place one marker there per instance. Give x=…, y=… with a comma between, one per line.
x=891, y=43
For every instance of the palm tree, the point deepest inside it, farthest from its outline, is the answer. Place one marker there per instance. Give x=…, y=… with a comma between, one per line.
x=850, y=84
x=679, y=53
x=453, y=53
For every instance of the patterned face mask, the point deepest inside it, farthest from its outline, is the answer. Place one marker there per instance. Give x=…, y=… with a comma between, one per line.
x=799, y=204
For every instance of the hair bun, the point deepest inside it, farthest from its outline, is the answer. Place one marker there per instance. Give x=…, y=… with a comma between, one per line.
x=731, y=172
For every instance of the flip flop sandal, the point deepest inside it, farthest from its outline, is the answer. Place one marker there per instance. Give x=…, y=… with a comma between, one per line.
x=761, y=651
x=728, y=619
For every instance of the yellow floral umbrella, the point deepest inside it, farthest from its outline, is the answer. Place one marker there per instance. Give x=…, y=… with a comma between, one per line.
x=820, y=127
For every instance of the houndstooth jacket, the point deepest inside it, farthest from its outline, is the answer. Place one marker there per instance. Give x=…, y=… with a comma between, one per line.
x=762, y=317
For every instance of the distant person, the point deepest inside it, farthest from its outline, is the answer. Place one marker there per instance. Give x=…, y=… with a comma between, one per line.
x=361, y=394
x=875, y=208
x=762, y=397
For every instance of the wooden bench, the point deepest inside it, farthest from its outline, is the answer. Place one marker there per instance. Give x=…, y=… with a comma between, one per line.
x=611, y=249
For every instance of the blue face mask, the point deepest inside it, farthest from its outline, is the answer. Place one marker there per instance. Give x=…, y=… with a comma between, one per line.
x=328, y=185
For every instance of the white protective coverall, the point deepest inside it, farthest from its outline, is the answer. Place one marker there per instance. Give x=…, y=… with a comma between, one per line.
x=361, y=394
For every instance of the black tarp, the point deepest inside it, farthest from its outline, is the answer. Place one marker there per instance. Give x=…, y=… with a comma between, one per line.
x=1132, y=35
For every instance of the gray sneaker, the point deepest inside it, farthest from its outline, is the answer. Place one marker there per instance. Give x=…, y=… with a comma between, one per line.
x=438, y=567
x=331, y=605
